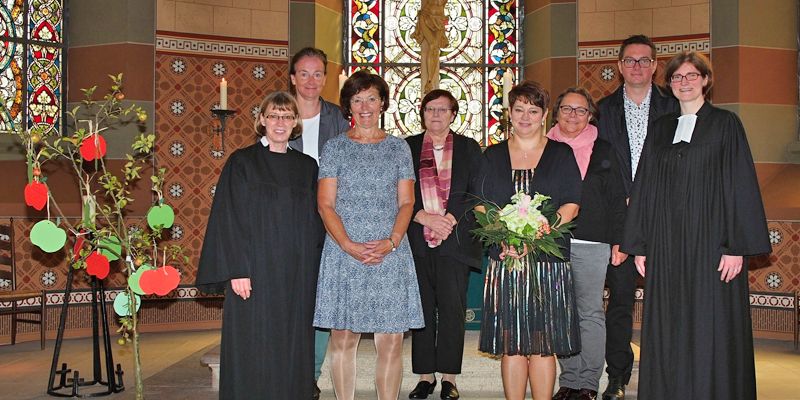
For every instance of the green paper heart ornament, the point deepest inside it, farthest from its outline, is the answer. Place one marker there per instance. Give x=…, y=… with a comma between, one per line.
x=161, y=216
x=110, y=247
x=121, y=304
x=48, y=236
x=133, y=280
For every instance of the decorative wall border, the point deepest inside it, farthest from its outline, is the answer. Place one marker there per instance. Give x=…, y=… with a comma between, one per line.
x=777, y=300
x=589, y=52
x=84, y=296
x=221, y=46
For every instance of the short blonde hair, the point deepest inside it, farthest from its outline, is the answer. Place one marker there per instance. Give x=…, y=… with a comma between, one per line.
x=279, y=100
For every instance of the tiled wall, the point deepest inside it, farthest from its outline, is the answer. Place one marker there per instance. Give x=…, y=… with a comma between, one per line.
x=257, y=19
x=618, y=19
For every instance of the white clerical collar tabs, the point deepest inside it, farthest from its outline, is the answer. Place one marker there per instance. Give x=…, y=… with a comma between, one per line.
x=685, y=128
x=264, y=141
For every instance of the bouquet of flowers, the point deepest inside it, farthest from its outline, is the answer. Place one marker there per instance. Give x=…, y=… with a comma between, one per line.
x=526, y=221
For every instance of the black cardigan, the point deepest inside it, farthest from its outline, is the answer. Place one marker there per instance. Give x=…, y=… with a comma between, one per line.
x=602, y=214
x=465, y=187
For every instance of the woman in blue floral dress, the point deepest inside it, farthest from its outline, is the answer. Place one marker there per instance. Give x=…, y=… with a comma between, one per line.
x=367, y=281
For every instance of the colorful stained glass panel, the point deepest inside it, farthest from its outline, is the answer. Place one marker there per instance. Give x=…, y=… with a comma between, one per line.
x=44, y=87
x=45, y=20
x=11, y=92
x=11, y=21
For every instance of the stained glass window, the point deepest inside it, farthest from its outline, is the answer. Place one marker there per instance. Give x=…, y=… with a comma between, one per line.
x=31, y=51
x=483, y=43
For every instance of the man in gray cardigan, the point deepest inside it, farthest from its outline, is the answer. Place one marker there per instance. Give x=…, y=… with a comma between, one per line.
x=322, y=120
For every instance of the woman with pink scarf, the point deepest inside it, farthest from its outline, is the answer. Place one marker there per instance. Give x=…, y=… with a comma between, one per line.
x=448, y=169
x=595, y=240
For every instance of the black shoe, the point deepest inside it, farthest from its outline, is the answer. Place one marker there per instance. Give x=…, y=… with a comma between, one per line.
x=317, y=392
x=564, y=393
x=586, y=394
x=449, y=391
x=423, y=389
x=615, y=390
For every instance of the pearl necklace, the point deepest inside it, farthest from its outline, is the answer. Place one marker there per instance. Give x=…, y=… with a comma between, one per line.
x=438, y=148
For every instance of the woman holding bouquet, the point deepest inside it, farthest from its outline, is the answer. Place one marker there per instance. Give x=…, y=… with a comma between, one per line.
x=448, y=170
x=599, y=229
x=529, y=314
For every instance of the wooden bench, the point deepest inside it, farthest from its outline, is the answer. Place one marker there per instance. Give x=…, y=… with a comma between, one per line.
x=211, y=359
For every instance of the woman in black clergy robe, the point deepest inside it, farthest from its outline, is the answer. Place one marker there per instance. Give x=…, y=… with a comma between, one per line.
x=262, y=247
x=695, y=213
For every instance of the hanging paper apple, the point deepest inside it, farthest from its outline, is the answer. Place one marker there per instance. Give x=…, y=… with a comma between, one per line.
x=169, y=278
x=122, y=304
x=92, y=147
x=160, y=216
x=134, y=281
x=111, y=247
x=36, y=195
x=97, y=265
x=48, y=237
x=148, y=281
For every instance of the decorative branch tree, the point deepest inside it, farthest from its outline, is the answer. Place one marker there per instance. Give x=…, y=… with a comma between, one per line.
x=102, y=235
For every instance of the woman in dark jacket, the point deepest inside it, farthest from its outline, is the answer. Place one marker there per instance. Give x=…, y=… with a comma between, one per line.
x=599, y=227
x=448, y=169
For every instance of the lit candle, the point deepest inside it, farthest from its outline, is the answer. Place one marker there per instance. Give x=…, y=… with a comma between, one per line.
x=507, y=83
x=223, y=94
x=342, y=79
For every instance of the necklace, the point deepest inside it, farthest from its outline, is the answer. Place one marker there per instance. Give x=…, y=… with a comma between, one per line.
x=438, y=148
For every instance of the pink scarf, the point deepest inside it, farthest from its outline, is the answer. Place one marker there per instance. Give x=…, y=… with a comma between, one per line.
x=581, y=145
x=434, y=183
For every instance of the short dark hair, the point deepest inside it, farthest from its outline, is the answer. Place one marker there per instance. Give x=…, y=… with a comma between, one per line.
x=282, y=101
x=433, y=95
x=579, y=91
x=701, y=62
x=358, y=82
x=637, y=39
x=308, y=52
x=530, y=92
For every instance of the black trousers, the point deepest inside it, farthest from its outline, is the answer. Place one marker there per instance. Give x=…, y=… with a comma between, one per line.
x=439, y=347
x=621, y=283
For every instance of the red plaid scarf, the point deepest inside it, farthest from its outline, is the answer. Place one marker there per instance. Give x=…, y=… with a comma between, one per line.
x=434, y=183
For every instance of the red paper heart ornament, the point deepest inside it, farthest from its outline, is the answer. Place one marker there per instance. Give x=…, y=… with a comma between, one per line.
x=97, y=265
x=93, y=146
x=36, y=195
x=169, y=278
x=148, y=281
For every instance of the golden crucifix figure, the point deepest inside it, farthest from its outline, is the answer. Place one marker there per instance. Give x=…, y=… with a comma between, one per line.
x=430, y=34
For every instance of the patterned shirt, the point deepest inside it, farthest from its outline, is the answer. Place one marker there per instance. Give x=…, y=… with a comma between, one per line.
x=636, y=118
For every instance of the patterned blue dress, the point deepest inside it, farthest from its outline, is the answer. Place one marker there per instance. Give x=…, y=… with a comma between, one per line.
x=380, y=298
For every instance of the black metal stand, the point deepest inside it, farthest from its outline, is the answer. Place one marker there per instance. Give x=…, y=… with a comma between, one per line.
x=113, y=380
x=222, y=115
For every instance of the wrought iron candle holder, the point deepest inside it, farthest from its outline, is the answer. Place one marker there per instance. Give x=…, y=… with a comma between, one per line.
x=222, y=116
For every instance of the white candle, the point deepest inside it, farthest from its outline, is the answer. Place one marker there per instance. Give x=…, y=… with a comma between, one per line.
x=342, y=79
x=507, y=83
x=223, y=94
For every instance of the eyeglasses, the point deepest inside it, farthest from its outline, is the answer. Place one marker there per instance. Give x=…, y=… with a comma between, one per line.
x=356, y=101
x=436, y=110
x=276, y=117
x=690, y=76
x=643, y=62
x=579, y=111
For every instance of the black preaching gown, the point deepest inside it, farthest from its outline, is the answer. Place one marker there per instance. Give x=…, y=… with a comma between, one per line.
x=264, y=226
x=692, y=203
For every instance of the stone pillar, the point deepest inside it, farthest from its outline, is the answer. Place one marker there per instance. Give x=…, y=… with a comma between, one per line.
x=550, y=43
x=318, y=23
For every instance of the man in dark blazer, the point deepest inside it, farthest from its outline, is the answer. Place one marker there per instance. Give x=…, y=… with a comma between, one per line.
x=625, y=118
x=321, y=121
